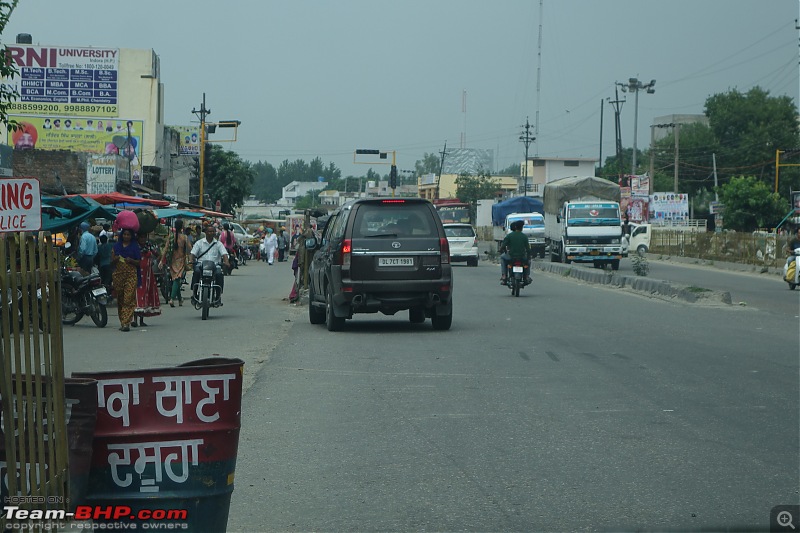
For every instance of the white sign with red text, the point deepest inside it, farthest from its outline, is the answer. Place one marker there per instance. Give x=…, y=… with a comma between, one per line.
x=20, y=205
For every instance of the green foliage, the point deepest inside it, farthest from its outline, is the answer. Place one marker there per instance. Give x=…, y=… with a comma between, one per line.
x=429, y=164
x=749, y=128
x=269, y=181
x=697, y=146
x=470, y=189
x=227, y=177
x=513, y=169
x=8, y=69
x=265, y=182
x=640, y=265
x=750, y=204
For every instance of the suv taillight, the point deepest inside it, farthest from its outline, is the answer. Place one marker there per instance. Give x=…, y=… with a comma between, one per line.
x=445, y=250
x=347, y=247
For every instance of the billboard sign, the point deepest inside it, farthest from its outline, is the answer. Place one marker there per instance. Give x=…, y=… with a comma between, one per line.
x=189, y=140
x=81, y=134
x=20, y=205
x=669, y=208
x=68, y=81
x=6, y=161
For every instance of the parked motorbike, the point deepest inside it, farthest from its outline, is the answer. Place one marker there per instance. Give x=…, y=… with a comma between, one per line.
x=517, y=275
x=206, y=293
x=792, y=278
x=83, y=295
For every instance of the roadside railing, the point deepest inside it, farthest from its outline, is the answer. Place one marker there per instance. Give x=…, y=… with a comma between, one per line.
x=757, y=248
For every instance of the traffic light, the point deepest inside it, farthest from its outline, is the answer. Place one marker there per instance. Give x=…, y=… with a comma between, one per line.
x=393, y=177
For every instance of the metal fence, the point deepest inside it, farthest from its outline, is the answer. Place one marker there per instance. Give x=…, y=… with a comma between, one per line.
x=757, y=248
x=33, y=437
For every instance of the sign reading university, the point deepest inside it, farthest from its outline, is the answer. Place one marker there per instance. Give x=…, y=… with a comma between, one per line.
x=65, y=81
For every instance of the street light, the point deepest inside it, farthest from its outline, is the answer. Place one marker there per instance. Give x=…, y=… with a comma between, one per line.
x=634, y=86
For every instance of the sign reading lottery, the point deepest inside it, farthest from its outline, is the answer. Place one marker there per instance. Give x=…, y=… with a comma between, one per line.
x=65, y=81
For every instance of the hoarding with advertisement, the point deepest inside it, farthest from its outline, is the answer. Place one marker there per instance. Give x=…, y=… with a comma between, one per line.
x=669, y=208
x=104, y=171
x=81, y=134
x=189, y=143
x=67, y=81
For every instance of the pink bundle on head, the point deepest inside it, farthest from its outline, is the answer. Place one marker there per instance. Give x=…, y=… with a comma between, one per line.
x=126, y=220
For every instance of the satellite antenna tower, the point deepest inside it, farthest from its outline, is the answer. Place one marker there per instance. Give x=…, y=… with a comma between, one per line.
x=538, y=78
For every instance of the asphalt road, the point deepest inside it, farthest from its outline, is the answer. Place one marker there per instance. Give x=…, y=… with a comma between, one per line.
x=570, y=408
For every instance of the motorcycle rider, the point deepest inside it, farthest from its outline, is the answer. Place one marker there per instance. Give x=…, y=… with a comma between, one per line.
x=228, y=239
x=208, y=249
x=515, y=246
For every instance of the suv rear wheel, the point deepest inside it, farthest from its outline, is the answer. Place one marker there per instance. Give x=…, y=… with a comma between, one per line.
x=333, y=322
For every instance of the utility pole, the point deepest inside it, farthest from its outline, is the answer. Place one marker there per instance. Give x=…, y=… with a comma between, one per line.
x=202, y=113
x=601, y=137
x=634, y=86
x=677, y=157
x=441, y=169
x=617, y=103
x=526, y=138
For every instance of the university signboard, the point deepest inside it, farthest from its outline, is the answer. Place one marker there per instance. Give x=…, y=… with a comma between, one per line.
x=66, y=81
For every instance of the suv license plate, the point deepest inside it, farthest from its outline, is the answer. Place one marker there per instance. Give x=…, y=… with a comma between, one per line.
x=395, y=261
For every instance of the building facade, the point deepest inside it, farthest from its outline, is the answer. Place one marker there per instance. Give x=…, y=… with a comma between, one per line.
x=542, y=170
x=99, y=101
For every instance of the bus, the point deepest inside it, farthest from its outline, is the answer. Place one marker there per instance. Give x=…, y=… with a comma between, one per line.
x=453, y=211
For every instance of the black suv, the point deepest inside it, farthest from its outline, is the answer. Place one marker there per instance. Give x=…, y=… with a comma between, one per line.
x=382, y=254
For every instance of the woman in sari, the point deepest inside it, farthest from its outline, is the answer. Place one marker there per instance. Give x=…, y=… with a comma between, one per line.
x=125, y=259
x=148, y=302
x=175, y=253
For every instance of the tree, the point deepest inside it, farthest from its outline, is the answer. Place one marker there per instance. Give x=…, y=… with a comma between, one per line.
x=227, y=177
x=429, y=164
x=696, y=149
x=749, y=128
x=265, y=183
x=470, y=189
x=514, y=169
x=750, y=204
x=8, y=69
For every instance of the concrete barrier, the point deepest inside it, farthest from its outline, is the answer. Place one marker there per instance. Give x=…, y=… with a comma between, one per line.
x=647, y=286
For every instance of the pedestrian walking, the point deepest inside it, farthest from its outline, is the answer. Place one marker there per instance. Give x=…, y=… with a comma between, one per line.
x=125, y=259
x=283, y=244
x=270, y=245
x=176, y=253
x=148, y=301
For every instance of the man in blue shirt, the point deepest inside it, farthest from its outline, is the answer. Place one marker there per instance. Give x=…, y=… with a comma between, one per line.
x=86, y=250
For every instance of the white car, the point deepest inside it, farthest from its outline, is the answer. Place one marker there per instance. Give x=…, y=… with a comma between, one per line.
x=241, y=234
x=463, y=243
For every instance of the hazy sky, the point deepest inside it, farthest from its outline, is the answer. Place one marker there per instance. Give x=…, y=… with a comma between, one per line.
x=320, y=78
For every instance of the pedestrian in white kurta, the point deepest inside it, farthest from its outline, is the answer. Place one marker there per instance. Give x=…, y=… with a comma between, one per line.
x=270, y=245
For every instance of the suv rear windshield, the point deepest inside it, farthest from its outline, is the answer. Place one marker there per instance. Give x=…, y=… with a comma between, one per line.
x=459, y=231
x=401, y=220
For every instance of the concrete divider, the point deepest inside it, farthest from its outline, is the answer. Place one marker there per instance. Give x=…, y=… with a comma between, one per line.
x=647, y=286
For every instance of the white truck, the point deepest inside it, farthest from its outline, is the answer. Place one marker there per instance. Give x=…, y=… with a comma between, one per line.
x=582, y=221
x=533, y=228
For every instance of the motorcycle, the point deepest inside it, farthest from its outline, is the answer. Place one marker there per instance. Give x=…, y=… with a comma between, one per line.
x=83, y=295
x=233, y=262
x=242, y=253
x=206, y=293
x=517, y=275
x=792, y=278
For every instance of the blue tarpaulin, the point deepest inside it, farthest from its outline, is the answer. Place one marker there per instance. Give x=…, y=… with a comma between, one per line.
x=518, y=204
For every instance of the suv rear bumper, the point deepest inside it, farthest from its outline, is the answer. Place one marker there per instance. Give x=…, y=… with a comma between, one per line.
x=390, y=297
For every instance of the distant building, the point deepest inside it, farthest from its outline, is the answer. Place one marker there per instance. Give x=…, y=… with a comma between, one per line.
x=298, y=189
x=541, y=170
x=447, y=187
